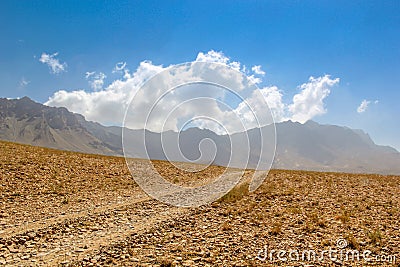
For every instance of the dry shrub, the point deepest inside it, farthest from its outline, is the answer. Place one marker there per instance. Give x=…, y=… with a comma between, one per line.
x=226, y=226
x=375, y=236
x=276, y=229
x=352, y=242
x=237, y=193
x=317, y=220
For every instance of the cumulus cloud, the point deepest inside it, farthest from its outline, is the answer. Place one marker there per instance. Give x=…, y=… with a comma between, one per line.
x=95, y=80
x=254, y=79
x=107, y=104
x=363, y=106
x=212, y=56
x=53, y=63
x=254, y=110
x=273, y=96
x=310, y=101
x=257, y=70
x=217, y=57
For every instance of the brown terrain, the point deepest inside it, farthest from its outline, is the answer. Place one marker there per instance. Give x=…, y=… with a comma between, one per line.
x=61, y=208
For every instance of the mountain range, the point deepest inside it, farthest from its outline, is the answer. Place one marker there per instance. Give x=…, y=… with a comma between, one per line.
x=308, y=146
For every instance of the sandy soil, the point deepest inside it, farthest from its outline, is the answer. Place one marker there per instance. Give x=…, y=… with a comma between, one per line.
x=61, y=208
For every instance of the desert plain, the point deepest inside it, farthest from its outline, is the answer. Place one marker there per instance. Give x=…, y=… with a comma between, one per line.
x=60, y=208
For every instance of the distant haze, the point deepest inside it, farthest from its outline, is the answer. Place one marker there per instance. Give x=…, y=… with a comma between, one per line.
x=308, y=146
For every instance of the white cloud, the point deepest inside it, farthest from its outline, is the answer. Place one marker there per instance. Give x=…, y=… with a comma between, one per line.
x=257, y=70
x=254, y=79
x=257, y=102
x=235, y=65
x=217, y=57
x=310, y=101
x=105, y=106
x=88, y=74
x=363, y=106
x=307, y=104
x=95, y=80
x=108, y=105
x=273, y=96
x=119, y=67
x=23, y=83
x=212, y=56
x=54, y=64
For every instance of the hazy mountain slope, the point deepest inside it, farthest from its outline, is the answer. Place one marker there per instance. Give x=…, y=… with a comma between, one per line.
x=332, y=148
x=308, y=146
x=25, y=121
x=110, y=136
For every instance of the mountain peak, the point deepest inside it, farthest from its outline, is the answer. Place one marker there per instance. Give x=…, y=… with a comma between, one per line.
x=25, y=98
x=26, y=121
x=312, y=123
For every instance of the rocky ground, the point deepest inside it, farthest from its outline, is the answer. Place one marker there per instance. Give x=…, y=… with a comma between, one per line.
x=68, y=209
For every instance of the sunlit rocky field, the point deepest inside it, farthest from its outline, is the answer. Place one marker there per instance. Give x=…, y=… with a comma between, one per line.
x=61, y=208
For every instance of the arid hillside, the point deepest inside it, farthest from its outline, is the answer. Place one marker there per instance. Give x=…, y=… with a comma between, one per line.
x=308, y=146
x=61, y=208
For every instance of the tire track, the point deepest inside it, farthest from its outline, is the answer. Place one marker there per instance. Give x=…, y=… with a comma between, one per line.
x=64, y=240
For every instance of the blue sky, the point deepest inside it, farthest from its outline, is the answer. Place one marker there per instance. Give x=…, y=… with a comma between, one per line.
x=355, y=41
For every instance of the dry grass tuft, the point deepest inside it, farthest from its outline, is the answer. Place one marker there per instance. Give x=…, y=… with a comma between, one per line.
x=352, y=242
x=237, y=193
x=344, y=217
x=375, y=236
